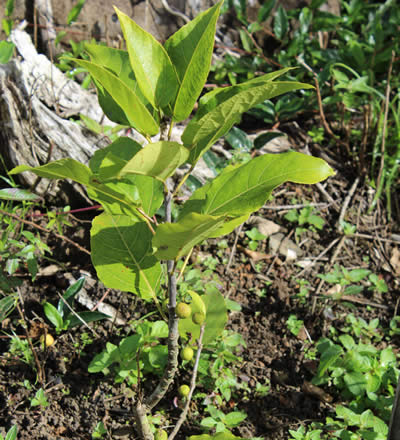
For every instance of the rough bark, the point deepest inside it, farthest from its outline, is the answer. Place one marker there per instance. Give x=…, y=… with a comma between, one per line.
x=35, y=101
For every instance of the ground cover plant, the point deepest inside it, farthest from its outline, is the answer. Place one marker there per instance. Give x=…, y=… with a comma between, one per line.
x=349, y=57
x=296, y=359
x=135, y=247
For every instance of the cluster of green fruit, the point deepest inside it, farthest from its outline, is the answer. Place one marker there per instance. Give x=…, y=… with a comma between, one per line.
x=184, y=311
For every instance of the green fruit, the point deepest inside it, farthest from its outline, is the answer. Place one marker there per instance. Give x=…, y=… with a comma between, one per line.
x=187, y=353
x=183, y=390
x=198, y=318
x=183, y=310
x=161, y=434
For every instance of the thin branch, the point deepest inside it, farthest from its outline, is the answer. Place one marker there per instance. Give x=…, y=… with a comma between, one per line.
x=317, y=258
x=185, y=411
x=233, y=250
x=346, y=204
x=179, y=14
x=41, y=228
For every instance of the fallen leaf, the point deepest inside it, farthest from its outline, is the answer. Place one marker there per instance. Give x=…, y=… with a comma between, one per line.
x=319, y=393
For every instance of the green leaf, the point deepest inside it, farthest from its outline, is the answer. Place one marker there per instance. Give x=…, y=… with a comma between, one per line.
x=8, y=10
x=75, y=11
x=121, y=248
x=118, y=197
x=151, y=193
x=356, y=275
x=281, y=23
x=158, y=159
x=117, y=61
x=234, y=418
x=7, y=305
x=104, y=359
x=220, y=109
x=108, y=162
x=12, y=433
x=216, y=316
x=387, y=358
x=174, y=240
x=6, y=51
x=158, y=356
x=328, y=358
x=69, y=295
x=17, y=194
x=246, y=188
x=53, y=316
x=373, y=382
x=356, y=382
x=150, y=62
x=73, y=320
x=190, y=50
x=134, y=109
x=59, y=169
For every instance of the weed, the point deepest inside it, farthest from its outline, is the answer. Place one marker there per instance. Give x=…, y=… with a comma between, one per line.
x=305, y=217
x=11, y=434
x=40, y=399
x=62, y=316
x=294, y=324
x=255, y=237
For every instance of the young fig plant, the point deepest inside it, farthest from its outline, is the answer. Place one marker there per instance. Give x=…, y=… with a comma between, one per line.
x=149, y=87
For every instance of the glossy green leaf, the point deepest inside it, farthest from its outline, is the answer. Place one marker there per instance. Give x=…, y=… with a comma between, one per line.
x=135, y=111
x=151, y=192
x=59, y=169
x=53, y=316
x=150, y=62
x=117, y=197
x=17, y=194
x=246, y=188
x=190, y=50
x=69, y=295
x=123, y=148
x=117, y=61
x=281, y=23
x=121, y=254
x=87, y=317
x=158, y=159
x=216, y=316
x=222, y=109
x=174, y=240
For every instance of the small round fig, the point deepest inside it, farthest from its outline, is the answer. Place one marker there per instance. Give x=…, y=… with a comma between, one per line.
x=183, y=390
x=183, y=310
x=48, y=340
x=187, y=354
x=198, y=318
x=161, y=434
